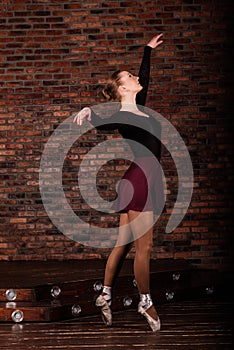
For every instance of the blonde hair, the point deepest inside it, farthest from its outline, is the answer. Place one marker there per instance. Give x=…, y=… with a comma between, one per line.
x=111, y=91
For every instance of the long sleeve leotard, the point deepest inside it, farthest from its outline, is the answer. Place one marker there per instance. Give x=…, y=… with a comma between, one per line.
x=144, y=130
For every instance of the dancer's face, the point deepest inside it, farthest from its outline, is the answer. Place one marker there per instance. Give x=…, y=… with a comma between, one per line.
x=129, y=82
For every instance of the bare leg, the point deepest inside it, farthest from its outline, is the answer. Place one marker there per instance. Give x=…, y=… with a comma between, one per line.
x=119, y=252
x=143, y=231
x=113, y=266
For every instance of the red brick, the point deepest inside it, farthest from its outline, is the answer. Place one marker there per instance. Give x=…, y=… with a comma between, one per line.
x=55, y=59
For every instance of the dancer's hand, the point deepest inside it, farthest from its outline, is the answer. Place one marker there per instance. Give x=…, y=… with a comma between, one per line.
x=155, y=42
x=85, y=113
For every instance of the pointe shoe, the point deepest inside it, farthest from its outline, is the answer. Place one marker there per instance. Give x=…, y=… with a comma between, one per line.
x=104, y=307
x=155, y=325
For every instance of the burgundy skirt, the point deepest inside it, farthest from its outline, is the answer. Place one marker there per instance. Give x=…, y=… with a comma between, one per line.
x=141, y=187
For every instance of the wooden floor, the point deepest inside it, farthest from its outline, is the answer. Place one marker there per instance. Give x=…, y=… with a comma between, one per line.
x=201, y=324
x=28, y=273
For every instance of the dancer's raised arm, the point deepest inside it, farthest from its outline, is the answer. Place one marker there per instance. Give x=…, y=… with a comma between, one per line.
x=117, y=86
x=144, y=72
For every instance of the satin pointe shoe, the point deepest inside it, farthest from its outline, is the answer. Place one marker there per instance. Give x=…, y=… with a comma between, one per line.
x=143, y=306
x=105, y=310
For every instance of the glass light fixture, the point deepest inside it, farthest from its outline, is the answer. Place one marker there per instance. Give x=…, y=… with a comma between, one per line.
x=134, y=282
x=127, y=301
x=176, y=276
x=97, y=286
x=17, y=316
x=11, y=294
x=55, y=291
x=10, y=305
x=210, y=290
x=76, y=310
x=170, y=295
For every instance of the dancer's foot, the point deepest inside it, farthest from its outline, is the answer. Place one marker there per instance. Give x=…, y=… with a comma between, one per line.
x=152, y=312
x=146, y=308
x=105, y=310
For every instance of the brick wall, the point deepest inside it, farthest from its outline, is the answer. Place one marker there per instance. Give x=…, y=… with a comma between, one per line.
x=55, y=58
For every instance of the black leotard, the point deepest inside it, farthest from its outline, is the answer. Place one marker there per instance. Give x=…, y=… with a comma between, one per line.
x=132, y=126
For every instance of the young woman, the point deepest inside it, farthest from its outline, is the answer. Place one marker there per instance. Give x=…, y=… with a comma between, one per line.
x=133, y=124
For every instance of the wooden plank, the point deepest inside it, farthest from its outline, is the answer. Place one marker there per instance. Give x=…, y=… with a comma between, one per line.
x=12, y=294
x=160, y=281
x=25, y=274
x=39, y=312
x=54, y=301
x=25, y=277
x=57, y=310
x=195, y=325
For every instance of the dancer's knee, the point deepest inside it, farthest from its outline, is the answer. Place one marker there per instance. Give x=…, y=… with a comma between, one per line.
x=144, y=248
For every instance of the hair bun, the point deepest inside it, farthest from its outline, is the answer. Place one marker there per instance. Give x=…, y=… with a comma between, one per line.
x=111, y=90
x=106, y=94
